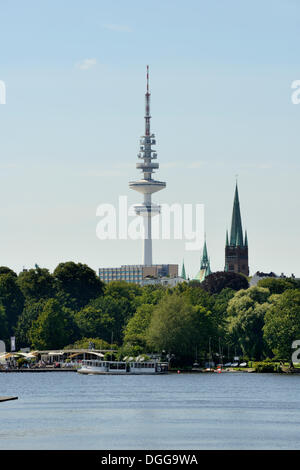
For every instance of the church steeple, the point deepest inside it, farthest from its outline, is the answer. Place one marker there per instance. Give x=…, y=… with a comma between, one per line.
x=236, y=248
x=227, y=242
x=183, y=275
x=204, y=260
x=204, y=265
x=236, y=234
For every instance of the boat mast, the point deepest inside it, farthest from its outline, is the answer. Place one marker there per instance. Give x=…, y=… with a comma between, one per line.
x=220, y=354
x=210, y=357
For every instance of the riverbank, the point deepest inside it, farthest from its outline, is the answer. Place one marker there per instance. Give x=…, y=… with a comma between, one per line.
x=172, y=371
x=278, y=370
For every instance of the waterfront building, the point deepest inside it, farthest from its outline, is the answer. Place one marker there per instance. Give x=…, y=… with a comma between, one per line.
x=236, y=249
x=163, y=281
x=138, y=273
x=260, y=275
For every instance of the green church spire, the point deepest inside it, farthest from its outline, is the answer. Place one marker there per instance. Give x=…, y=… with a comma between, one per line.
x=204, y=265
x=183, y=275
x=227, y=242
x=204, y=260
x=236, y=234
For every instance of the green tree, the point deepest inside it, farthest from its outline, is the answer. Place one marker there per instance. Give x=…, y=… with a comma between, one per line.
x=277, y=286
x=150, y=294
x=54, y=327
x=84, y=343
x=4, y=335
x=11, y=298
x=216, y=282
x=282, y=323
x=77, y=284
x=104, y=317
x=198, y=296
x=36, y=284
x=30, y=313
x=219, y=309
x=178, y=327
x=136, y=328
x=246, y=312
x=122, y=289
x=6, y=270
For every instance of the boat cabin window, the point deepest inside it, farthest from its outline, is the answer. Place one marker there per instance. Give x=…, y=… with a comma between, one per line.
x=117, y=365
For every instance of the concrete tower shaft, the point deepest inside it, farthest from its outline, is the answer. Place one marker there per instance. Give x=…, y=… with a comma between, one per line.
x=147, y=185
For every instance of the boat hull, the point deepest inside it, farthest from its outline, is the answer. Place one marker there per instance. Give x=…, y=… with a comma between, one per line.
x=122, y=368
x=97, y=372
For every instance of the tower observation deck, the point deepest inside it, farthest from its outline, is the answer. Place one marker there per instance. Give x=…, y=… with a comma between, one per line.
x=147, y=185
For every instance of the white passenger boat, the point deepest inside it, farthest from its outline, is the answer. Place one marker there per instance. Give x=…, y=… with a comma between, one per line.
x=123, y=368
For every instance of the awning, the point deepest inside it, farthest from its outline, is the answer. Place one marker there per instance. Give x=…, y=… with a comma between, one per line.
x=30, y=356
x=96, y=353
x=86, y=352
x=52, y=353
x=8, y=355
x=75, y=354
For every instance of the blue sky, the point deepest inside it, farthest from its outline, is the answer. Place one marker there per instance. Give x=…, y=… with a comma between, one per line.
x=221, y=75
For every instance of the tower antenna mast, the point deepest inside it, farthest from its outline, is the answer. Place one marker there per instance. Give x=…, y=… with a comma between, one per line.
x=147, y=185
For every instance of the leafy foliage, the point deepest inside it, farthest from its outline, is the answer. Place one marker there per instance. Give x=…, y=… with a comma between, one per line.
x=3, y=324
x=216, y=282
x=277, y=286
x=282, y=323
x=54, y=327
x=6, y=270
x=178, y=327
x=136, y=328
x=30, y=313
x=79, y=282
x=12, y=299
x=73, y=307
x=246, y=312
x=36, y=284
x=84, y=343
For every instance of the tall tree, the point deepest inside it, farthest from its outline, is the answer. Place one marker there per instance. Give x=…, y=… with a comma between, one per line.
x=219, y=308
x=3, y=325
x=136, y=329
x=6, y=270
x=104, y=317
x=219, y=280
x=282, y=323
x=30, y=313
x=54, y=327
x=151, y=294
x=77, y=283
x=178, y=327
x=36, y=284
x=246, y=312
x=11, y=298
x=277, y=286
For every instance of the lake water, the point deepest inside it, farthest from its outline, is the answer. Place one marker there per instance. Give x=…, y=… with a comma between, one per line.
x=177, y=411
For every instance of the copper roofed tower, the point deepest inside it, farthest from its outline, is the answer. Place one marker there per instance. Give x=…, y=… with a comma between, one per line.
x=236, y=249
x=204, y=265
x=146, y=185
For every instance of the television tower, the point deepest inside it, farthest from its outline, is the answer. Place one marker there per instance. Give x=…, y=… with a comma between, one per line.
x=147, y=186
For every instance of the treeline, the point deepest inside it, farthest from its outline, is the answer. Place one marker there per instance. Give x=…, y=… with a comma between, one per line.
x=71, y=307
